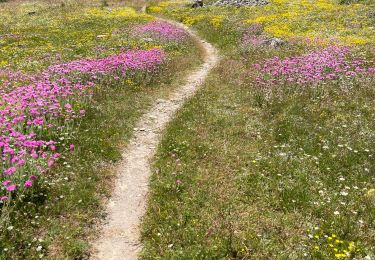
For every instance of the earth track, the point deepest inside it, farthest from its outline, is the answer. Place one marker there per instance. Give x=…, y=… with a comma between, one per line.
x=120, y=236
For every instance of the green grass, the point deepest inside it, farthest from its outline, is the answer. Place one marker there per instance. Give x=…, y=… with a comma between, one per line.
x=58, y=33
x=255, y=178
x=251, y=173
x=64, y=214
x=56, y=219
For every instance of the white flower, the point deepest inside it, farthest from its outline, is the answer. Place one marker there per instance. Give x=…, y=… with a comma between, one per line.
x=336, y=213
x=344, y=193
x=341, y=179
x=39, y=248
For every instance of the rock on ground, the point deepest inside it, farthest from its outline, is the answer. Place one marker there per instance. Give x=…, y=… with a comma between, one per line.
x=240, y=3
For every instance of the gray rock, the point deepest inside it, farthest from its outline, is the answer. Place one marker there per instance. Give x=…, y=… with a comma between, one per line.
x=148, y=39
x=197, y=4
x=274, y=42
x=240, y=3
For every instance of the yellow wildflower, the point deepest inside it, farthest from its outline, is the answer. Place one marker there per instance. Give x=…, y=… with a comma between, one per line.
x=3, y=63
x=371, y=192
x=155, y=9
x=216, y=21
x=166, y=4
x=351, y=246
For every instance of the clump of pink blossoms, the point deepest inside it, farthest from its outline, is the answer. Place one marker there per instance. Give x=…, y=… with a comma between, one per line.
x=252, y=35
x=327, y=64
x=162, y=30
x=45, y=104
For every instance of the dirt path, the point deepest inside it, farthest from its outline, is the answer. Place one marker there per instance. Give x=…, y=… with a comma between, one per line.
x=119, y=238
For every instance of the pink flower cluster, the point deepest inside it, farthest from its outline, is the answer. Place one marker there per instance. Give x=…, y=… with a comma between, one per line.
x=327, y=64
x=162, y=30
x=252, y=35
x=45, y=106
x=122, y=63
x=253, y=29
x=254, y=40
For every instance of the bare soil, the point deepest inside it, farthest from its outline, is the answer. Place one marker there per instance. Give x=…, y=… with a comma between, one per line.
x=120, y=236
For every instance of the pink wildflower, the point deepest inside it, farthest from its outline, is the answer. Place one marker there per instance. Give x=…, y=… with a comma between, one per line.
x=28, y=184
x=10, y=171
x=32, y=178
x=11, y=187
x=6, y=182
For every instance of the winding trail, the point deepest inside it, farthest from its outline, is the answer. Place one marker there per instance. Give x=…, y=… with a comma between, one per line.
x=120, y=236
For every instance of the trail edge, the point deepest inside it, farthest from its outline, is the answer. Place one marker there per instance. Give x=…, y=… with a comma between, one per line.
x=120, y=236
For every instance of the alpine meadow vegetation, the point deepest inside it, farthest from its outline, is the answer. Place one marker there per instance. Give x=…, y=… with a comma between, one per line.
x=74, y=78
x=273, y=158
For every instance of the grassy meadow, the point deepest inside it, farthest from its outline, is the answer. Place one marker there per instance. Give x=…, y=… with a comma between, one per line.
x=273, y=158
x=75, y=77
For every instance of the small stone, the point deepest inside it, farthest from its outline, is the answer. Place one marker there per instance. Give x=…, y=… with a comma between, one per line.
x=240, y=3
x=274, y=42
x=148, y=39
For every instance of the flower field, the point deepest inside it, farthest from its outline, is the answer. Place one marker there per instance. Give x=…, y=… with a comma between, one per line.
x=161, y=29
x=274, y=158
x=324, y=20
x=326, y=64
x=46, y=106
x=58, y=64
